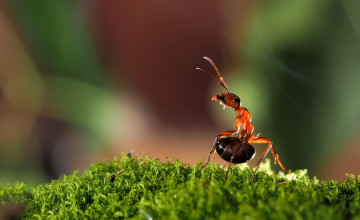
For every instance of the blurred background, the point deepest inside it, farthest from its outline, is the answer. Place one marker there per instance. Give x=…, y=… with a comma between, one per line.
x=82, y=81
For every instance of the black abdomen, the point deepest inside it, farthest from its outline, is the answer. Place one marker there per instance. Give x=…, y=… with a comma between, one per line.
x=233, y=146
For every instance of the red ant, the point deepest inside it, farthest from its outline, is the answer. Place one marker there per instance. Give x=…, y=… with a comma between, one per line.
x=237, y=149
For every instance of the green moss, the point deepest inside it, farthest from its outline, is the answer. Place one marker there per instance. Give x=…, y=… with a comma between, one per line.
x=145, y=188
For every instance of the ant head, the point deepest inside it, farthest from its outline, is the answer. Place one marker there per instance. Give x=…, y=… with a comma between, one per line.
x=227, y=99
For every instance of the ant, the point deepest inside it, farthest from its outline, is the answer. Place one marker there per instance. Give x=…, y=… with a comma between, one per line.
x=234, y=146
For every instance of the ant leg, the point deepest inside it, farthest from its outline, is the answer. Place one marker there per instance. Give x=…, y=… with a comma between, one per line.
x=261, y=140
x=213, y=152
x=246, y=126
x=230, y=162
x=227, y=172
x=231, y=132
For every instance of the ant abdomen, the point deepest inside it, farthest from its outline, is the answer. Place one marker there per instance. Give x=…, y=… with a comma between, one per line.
x=227, y=147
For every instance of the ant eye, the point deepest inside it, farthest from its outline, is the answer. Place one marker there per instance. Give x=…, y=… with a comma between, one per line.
x=236, y=99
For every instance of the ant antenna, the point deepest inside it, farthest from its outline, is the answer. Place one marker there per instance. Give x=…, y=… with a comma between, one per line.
x=221, y=81
x=218, y=72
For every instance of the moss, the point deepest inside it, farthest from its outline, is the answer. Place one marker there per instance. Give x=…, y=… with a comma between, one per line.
x=145, y=188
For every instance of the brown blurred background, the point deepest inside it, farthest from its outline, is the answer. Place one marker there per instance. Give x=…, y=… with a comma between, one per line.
x=82, y=81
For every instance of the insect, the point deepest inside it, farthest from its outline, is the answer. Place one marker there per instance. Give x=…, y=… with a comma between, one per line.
x=234, y=146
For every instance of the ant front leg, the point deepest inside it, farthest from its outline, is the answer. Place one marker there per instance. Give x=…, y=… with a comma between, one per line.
x=261, y=140
x=231, y=132
x=242, y=119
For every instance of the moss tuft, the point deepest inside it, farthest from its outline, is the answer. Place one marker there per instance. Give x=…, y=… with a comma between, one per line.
x=145, y=188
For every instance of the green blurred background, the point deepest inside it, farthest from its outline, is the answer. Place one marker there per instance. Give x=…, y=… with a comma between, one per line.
x=82, y=81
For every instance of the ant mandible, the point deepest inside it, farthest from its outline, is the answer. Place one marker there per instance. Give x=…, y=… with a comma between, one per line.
x=237, y=149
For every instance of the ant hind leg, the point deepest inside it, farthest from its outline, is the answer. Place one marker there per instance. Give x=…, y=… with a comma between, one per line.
x=261, y=140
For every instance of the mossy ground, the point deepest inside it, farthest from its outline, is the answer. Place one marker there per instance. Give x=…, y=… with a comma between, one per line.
x=147, y=189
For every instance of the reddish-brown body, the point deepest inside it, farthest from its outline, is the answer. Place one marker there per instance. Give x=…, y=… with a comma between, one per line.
x=237, y=141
